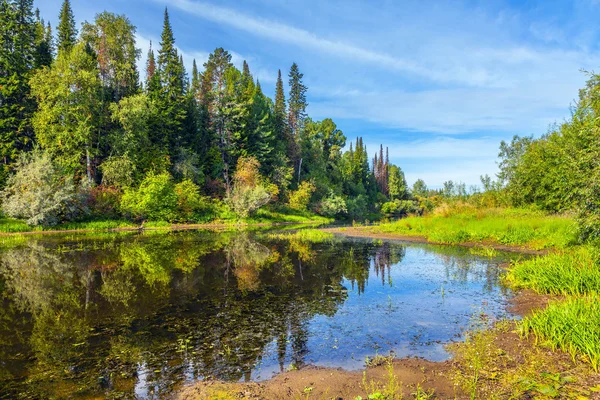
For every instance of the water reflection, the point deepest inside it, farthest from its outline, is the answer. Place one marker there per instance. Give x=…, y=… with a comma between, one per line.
x=139, y=315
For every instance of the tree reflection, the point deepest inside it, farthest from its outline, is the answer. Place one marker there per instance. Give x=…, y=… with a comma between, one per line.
x=107, y=317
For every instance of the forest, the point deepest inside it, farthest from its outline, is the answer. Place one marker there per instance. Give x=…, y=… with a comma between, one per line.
x=86, y=136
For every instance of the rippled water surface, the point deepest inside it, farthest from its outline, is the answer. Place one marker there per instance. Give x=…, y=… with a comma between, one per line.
x=138, y=315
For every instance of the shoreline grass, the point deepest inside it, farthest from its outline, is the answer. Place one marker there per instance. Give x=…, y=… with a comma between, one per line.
x=511, y=227
x=262, y=217
x=567, y=272
x=572, y=325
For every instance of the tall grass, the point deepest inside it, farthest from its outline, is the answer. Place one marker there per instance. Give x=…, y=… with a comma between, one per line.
x=572, y=325
x=572, y=272
x=514, y=227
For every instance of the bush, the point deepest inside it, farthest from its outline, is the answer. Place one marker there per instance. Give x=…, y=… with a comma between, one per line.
x=104, y=201
x=299, y=199
x=41, y=193
x=357, y=207
x=332, y=205
x=399, y=208
x=250, y=192
x=155, y=199
x=191, y=206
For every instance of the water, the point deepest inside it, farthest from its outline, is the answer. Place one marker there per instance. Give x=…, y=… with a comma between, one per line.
x=139, y=315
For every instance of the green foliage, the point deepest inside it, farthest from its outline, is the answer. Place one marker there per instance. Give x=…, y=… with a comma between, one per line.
x=155, y=199
x=399, y=208
x=69, y=104
x=41, y=193
x=118, y=171
x=191, y=205
x=332, y=206
x=299, y=199
x=67, y=31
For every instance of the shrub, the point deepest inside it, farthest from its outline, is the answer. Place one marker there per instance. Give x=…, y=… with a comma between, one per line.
x=41, y=193
x=299, y=199
x=250, y=192
x=332, y=205
x=104, y=201
x=191, y=206
x=399, y=208
x=155, y=199
x=357, y=207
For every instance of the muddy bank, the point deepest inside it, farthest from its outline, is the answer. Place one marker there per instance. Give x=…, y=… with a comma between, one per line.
x=364, y=232
x=327, y=383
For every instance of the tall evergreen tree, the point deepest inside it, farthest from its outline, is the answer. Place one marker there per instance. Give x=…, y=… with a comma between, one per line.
x=297, y=100
x=67, y=31
x=171, y=102
x=17, y=60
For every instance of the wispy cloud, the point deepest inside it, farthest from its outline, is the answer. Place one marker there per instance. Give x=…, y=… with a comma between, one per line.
x=289, y=34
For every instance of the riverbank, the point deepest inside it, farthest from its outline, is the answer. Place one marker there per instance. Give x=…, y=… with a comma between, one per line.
x=500, y=227
x=10, y=227
x=491, y=363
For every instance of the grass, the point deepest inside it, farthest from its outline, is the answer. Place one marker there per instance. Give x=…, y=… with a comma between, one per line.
x=568, y=272
x=572, y=325
x=262, y=216
x=496, y=364
x=512, y=227
x=304, y=235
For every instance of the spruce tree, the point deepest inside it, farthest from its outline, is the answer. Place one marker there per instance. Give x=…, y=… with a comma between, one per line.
x=18, y=29
x=67, y=31
x=297, y=100
x=171, y=102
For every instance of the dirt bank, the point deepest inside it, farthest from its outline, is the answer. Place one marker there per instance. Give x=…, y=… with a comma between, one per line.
x=364, y=232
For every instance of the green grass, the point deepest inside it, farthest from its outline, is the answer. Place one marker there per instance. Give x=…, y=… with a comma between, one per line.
x=304, y=235
x=572, y=325
x=570, y=272
x=514, y=227
x=262, y=216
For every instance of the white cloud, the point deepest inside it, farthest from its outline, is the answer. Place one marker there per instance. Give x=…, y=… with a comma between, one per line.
x=471, y=75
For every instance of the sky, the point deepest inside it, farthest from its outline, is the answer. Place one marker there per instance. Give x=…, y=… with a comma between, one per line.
x=440, y=83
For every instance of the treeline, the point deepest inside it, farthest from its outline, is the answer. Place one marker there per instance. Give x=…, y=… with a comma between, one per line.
x=560, y=171
x=83, y=137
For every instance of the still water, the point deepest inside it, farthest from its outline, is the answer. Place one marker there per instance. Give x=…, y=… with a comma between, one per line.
x=139, y=315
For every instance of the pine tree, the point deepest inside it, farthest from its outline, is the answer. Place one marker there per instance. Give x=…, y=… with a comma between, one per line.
x=171, y=102
x=297, y=100
x=18, y=37
x=67, y=31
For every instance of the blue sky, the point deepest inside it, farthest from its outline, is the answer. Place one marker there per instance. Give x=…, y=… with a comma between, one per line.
x=440, y=83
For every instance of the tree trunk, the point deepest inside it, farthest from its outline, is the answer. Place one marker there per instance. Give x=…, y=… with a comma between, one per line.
x=89, y=164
